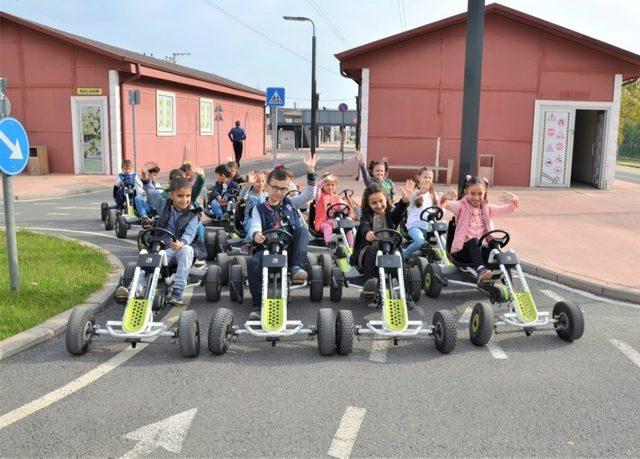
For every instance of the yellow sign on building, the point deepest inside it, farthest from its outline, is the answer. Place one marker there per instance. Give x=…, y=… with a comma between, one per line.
x=89, y=91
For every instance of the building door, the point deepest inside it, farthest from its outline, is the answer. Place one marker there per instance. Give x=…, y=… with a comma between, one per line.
x=90, y=135
x=554, y=144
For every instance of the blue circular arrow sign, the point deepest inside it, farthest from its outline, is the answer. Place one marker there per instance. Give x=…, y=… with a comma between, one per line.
x=14, y=146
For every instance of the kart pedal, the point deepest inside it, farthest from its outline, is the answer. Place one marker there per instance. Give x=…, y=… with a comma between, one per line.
x=135, y=315
x=273, y=318
x=526, y=307
x=395, y=315
x=443, y=280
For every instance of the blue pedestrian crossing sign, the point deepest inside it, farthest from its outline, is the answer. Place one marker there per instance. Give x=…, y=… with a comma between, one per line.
x=14, y=146
x=275, y=97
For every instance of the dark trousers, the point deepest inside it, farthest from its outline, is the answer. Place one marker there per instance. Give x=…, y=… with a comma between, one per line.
x=296, y=255
x=472, y=253
x=367, y=261
x=120, y=201
x=237, y=149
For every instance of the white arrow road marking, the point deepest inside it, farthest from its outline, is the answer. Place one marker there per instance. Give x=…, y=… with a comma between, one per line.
x=58, y=213
x=627, y=350
x=379, y=351
x=465, y=317
x=347, y=432
x=553, y=295
x=496, y=351
x=16, y=152
x=168, y=434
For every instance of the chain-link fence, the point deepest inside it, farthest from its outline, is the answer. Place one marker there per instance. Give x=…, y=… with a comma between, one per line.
x=629, y=151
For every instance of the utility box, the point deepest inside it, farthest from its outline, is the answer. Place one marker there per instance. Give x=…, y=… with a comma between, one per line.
x=38, y=160
x=486, y=166
x=287, y=140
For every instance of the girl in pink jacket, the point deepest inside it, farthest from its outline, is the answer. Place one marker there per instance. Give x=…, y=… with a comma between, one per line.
x=473, y=214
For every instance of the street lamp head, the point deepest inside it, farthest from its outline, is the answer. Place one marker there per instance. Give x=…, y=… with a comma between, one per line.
x=295, y=18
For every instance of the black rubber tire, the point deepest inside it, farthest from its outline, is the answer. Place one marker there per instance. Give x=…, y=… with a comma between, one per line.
x=325, y=261
x=344, y=332
x=432, y=286
x=212, y=284
x=104, y=210
x=211, y=243
x=236, y=284
x=311, y=260
x=335, y=285
x=224, y=262
x=121, y=227
x=316, y=289
x=189, y=333
x=127, y=275
x=223, y=244
x=326, y=330
x=445, y=335
x=481, y=324
x=79, y=331
x=220, y=331
x=413, y=283
x=242, y=261
x=421, y=263
x=569, y=320
x=159, y=300
x=110, y=220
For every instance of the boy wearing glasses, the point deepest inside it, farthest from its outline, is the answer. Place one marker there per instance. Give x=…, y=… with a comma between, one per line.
x=280, y=212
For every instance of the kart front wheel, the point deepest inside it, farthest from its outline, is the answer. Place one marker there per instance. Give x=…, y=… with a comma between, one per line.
x=224, y=261
x=325, y=261
x=344, y=332
x=326, y=329
x=236, y=284
x=121, y=227
x=569, y=321
x=481, y=324
x=104, y=210
x=315, y=283
x=110, y=220
x=189, y=333
x=79, y=331
x=127, y=275
x=413, y=283
x=211, y=243
x=220, y=331
x=445, y=335
x=212, y=284
x=431, y=281
x=335, y=286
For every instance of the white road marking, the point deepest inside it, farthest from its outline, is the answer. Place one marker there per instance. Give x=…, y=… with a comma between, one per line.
x=43, y=203
x=15, y=213
x=347, y=432
x=76, y=208
x=465, y=317
x=58, y=213
x=88, y=233
x=627, y=350
x=60, y=197
x=379, y=351
x=553, y=295
x=87, y=378
x=496, y=351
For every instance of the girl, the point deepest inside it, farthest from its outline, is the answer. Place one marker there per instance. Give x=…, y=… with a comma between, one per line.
x=473, y=214
x=326, y=197
x=255, y=193
x=377, y=213
x=423, y=197
x=376, y=172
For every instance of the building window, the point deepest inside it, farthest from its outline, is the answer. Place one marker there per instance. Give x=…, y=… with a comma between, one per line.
x=165, y=113
x=206, y=116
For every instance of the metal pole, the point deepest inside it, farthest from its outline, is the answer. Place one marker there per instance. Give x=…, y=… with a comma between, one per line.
x=274, y=134
x=133, y=126
x=342, y=138
x=10, y=223
x=218, y=129
x=314, y=96
x=472, y=88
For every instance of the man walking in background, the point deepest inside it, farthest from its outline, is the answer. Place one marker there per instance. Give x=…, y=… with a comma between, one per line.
x=237, y=137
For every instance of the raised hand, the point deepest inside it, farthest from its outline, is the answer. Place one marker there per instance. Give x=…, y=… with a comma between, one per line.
x=407, y=190
x=198, y=170
x=144, y=173
x=507, y=197
x=310, y=162
x=252, y=178
x=449, y=195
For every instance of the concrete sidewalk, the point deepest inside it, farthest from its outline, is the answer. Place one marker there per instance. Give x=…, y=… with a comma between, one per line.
x=55, y=185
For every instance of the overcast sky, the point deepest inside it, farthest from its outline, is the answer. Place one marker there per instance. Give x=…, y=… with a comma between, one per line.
x=244, y=53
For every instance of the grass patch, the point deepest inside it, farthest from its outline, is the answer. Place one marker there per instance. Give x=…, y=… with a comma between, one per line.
x=55, y=274
x=630, y=162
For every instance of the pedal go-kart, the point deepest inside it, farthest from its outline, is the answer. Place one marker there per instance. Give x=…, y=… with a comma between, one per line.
x=121, y=220
x=433, y=250
x=333, y=334
x=392, y=300
x=138, y=323
x=521, y=311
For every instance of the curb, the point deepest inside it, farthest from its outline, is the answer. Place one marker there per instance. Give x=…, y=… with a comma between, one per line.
x=82, y=189
x=54, y=326
x=582, y=283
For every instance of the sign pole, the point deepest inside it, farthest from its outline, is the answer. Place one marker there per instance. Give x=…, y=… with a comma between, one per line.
x=218, y=119
x=134, y=99
x=10, y=223
x=274, y=134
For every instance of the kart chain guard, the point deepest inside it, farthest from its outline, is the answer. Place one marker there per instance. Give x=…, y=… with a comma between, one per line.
x=135, y=315
x=395, y=314
x=344, y=264
x=273, y=318
x=526, y=307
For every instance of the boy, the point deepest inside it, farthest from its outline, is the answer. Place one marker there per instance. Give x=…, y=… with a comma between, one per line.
x=235, y=175
x=278, y=211
x=126, y=175
x=221, y=189
x=180, y=216
x=143, y=207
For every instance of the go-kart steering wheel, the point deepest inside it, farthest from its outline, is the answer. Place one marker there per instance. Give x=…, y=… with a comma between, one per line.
x=433, y=213
x=274, y=232
x=501, y=241
x=339, y=208
x=145, y=237
x=393, y=237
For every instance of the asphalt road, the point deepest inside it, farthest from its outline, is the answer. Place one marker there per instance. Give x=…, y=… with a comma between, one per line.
x=522, y=396
x=628, y=174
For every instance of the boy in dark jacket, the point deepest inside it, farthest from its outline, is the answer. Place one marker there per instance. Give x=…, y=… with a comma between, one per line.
x=220, y=191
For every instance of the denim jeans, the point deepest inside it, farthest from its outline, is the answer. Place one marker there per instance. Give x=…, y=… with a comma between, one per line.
x=417, y=236
x=120, y=201
x=142, y=207
x=183, y=257
x=216, y=208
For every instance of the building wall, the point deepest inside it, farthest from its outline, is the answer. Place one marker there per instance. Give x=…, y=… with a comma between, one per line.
x=416, y=91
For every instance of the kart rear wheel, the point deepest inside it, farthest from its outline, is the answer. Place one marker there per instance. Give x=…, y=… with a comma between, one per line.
x=325, y=261
x=335, y=286
x=311, y=260
x=121, y=227
x=431, y=282
x=223, y=261
x=220, y=331
x=315, y=283
x=211, y=243
x=569, y=321
x=159, y=300
x=344, y=332
x=104, y=210
x=79, y=330
x=110, y=220
x=236, y=284
x=413, y=283
x=212, y=284
x=127, y=275
x=481, y=324
x=326, y=330
x=445, y=335
x=189, y=333
x=421, y=263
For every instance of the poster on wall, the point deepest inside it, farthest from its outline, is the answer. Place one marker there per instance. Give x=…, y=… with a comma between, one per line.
x=555, y=149
x=91, y=135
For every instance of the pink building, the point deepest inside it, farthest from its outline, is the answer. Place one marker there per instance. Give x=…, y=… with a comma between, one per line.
x=71, y=94
x=549, y=107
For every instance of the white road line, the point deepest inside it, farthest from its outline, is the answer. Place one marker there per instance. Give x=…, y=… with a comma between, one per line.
x=43, y=203
x=58, y=213
x=379, y=351
x=347, y=432
x=76, y=208
x=15, y=213
x=88, y=233
x=627, y=350
x=496, y=351
x=87, y=378
x=60, y=197
x=553, y=295
x=465, y=317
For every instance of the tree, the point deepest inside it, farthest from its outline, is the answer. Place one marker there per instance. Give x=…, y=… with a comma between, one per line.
x=629, y=111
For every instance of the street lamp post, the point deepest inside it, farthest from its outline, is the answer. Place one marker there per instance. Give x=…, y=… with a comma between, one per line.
x=314, y=96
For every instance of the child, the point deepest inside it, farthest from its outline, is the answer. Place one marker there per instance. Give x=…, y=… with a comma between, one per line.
x=377, y=213
x=376, y=172
x=326, y=197
x=143, y=207
x=255, y=193
x=473, y=214
x=197, y=184
x=423, y=197
x=221, y=190
x=127, y=175
x=235, y=175
x=179, y=216
x=279, y=211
